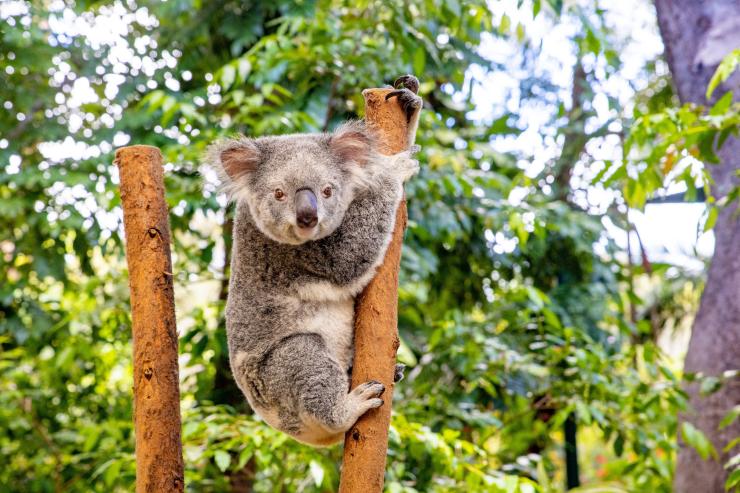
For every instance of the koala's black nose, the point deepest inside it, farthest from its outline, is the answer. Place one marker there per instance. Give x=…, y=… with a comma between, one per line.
x=306, y=213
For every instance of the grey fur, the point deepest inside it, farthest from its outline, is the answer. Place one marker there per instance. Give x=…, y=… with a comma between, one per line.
x=290, y=310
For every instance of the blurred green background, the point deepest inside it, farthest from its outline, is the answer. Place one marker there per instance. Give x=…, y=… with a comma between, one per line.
x=529, y=302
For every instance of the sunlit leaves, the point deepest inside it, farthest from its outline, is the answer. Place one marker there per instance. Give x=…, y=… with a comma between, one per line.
x=510, y=318
x=723, y=72
x=698, y=441
x=657, y=143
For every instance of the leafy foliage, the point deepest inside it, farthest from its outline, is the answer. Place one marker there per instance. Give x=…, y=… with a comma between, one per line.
x=723, y=72
x=733, y=464
x=517, y=310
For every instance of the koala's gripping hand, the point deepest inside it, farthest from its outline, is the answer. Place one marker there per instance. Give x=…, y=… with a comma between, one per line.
x=406, y=88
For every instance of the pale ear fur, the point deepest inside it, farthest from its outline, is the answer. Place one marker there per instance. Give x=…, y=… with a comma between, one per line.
x=353, y=143
x=233, y=159
x=356, y=147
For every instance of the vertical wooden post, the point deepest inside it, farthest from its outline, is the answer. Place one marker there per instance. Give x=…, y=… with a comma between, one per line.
x=376, y=323
x=159, y=465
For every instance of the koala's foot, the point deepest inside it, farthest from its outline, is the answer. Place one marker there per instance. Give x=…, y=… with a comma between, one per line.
x=398, y=373
x=364, y=397
x=328, y=419
x=406, y=88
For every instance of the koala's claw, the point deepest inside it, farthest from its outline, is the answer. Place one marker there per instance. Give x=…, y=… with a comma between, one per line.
x=410, y=102
x=408, y=81
x=407, y=86
x=370, y=389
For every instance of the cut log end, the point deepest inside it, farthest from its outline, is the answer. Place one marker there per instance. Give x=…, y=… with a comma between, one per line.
x=387, y=118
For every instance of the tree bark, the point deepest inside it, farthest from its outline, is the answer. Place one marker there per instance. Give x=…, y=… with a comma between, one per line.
x=376, y=323
x=159, y=464
x=697, y=35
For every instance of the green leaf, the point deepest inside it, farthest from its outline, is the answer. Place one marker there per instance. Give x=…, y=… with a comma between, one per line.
x=723, y=72
x=223, y=459
x=730, y=417
x=454, y=7
x=722, y=105
x=733, y=480
x=599, y=488
x=243, y=68
x=698, y=441
x=111, y=474
x=504, y=25
x=557, y=6
x=731, y=444
x=419, y=60
x=228, y=75
x=584, y=414
x=551, y=318
x=619, y=445
x=711, y=218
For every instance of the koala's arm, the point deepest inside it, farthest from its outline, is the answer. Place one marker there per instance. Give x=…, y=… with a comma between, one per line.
x=359, y=243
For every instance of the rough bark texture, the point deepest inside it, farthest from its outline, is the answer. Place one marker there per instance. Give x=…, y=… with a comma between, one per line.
x=159, y=465
x=376, y=324
x=697, y=35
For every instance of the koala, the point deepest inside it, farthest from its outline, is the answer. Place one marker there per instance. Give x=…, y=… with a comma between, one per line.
x=314, y=216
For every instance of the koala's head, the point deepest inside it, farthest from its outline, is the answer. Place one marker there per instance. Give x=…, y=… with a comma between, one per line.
x=297, y=187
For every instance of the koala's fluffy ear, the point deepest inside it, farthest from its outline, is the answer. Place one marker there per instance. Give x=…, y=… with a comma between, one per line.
x=234, y=158
x=352, y=142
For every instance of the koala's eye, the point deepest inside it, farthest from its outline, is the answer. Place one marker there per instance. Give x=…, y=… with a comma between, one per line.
x=279, y=194
x=326, y=192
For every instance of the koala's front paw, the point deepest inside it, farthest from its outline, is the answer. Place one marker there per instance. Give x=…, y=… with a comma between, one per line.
x=398, y=372
x=407, y=81
x=409, y=101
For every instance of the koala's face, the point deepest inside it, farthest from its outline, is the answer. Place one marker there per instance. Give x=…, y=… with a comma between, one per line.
x=299, y=192
x=297, y=187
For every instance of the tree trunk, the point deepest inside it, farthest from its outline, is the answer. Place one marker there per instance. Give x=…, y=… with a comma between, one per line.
x=376, y=324
x=697, y=35
x=159, y=465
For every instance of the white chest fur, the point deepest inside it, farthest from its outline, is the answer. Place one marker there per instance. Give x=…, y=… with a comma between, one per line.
x=334, y=321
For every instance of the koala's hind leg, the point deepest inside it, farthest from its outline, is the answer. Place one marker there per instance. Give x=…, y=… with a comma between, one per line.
x=319, y=388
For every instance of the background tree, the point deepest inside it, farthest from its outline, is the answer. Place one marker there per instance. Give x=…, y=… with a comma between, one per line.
x=697, y=37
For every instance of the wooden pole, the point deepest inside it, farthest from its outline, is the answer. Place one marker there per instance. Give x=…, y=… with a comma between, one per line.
x=376, y=323
x=159, y=465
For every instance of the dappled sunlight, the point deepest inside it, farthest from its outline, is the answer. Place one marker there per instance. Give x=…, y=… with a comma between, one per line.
x=559, y=235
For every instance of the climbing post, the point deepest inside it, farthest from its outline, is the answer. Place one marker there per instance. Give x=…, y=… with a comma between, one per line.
x=376, y=322
x=159, y=464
